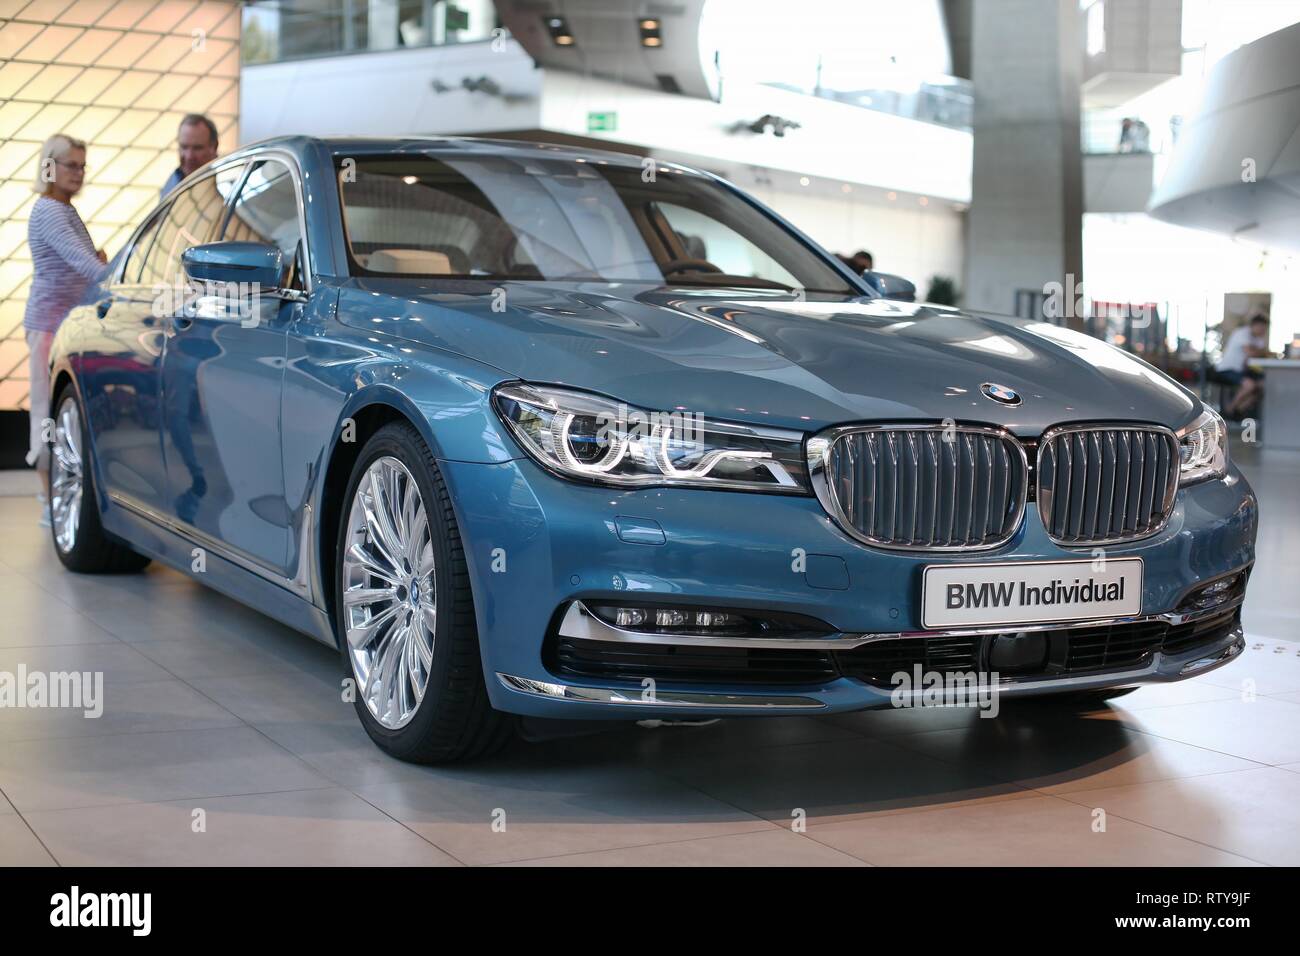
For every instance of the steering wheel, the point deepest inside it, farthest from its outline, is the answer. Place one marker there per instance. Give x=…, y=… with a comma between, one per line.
x=688, y=265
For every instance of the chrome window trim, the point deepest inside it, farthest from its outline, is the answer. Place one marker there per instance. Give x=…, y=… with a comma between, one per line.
x=295, y=172
x=1044, y=496
x=155, y=214
x=218, y=165
x=579, y=623
x=164, y=206
x=817, y=456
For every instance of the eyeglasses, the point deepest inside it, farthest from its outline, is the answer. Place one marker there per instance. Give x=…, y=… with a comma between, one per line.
x=75, y=167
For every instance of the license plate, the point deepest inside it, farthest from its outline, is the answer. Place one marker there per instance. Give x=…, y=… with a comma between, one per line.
x=1029, y=592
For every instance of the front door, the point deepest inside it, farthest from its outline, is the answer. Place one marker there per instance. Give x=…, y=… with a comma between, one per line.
x=223, y=371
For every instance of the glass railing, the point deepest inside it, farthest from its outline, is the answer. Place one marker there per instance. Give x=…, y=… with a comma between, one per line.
x=1105, y=134
x=941, y=99
x=276, y=30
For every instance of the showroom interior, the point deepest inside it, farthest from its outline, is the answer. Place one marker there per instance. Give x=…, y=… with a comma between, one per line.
x=1125, y=170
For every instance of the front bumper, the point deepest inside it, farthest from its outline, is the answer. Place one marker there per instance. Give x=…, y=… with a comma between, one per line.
x=536, y=543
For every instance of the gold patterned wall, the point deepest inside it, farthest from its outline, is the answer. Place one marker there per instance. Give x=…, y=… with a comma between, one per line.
x=119, y=74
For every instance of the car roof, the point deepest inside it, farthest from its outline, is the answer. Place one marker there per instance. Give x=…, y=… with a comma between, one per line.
x=369, y=145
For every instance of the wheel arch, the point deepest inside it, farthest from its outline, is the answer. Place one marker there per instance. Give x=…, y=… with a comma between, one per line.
x=368, y=412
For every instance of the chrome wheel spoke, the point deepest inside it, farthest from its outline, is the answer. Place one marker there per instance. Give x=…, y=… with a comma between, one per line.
x=416, y=524
x=355, y=596
x=66, y=478
x=379, y=685
x=70, y=421
x=376, y=532
x=68, y=464
x=422, y=636
x=424, y=566
x=387, y=518
x=375, y=566
x=389, y=605
x=364, y=633
x=416, y=667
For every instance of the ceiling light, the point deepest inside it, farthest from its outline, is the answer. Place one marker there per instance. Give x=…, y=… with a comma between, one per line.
x=559, y=30
x=649, y=27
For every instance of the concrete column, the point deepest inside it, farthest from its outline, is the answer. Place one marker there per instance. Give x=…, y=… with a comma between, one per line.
x=1025, y=225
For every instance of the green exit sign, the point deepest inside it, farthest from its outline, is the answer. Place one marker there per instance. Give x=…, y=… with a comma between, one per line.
x=455, y=19
x=602, y=122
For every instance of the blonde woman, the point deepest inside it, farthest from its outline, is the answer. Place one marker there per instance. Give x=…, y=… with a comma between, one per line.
x=64, y=262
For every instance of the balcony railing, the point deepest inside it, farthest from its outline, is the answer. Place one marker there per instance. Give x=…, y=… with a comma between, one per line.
x=945, y=100
x=276, y=30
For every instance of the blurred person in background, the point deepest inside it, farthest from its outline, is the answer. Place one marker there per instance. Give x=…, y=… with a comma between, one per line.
x=64, y=263
x=196, y=144
x=861, y=261
x=1247, y=342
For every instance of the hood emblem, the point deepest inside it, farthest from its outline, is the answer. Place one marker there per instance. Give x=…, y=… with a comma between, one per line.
x=1000, y=393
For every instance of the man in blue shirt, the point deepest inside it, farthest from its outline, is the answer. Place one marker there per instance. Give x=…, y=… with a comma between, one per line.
x=196, y=141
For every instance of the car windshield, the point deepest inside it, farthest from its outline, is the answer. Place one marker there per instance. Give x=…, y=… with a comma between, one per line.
x=551, y=218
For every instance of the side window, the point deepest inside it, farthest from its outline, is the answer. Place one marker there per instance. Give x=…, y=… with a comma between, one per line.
x=228, y=179
x=136, y=257
x=267, y=211
x=703, y=237
x=191, y=221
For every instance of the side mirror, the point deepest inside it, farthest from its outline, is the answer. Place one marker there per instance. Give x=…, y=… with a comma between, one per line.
x=891, y=286
x=235, y=262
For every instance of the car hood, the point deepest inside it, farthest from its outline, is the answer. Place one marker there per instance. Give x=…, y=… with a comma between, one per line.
x=772, y=358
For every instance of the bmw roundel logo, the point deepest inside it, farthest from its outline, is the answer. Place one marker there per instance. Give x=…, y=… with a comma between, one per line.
x=1000, y=393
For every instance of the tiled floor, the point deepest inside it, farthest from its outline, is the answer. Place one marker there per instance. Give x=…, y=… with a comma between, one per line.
x=224, y=740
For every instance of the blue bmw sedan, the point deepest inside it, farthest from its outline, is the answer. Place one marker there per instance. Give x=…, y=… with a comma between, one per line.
x=535, y=431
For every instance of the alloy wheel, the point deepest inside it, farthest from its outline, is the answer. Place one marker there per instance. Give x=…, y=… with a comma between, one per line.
x=390, y=607
x=66, y=476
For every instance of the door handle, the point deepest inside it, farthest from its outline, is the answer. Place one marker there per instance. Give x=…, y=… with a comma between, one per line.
x=181, y=322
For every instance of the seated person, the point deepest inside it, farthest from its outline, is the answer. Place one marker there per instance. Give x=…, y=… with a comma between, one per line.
x=1247, y=342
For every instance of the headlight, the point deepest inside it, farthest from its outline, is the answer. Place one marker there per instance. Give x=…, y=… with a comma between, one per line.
x=1203, y=448
x=579, y=435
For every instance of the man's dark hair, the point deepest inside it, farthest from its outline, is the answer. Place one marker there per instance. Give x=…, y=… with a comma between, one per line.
x=863, y=254
x=1260, y=318
x=198, y=119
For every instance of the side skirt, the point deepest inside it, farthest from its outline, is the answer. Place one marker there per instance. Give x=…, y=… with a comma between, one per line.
x=231, y=579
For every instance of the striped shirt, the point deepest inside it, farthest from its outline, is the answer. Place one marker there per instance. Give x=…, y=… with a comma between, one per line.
x=64, y=263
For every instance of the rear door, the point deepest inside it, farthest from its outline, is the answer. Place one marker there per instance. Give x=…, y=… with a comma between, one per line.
x=123, y=358
x=120, y=369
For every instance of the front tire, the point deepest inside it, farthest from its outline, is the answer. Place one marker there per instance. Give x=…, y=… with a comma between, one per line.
x=406, y=623
x=79, y=537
